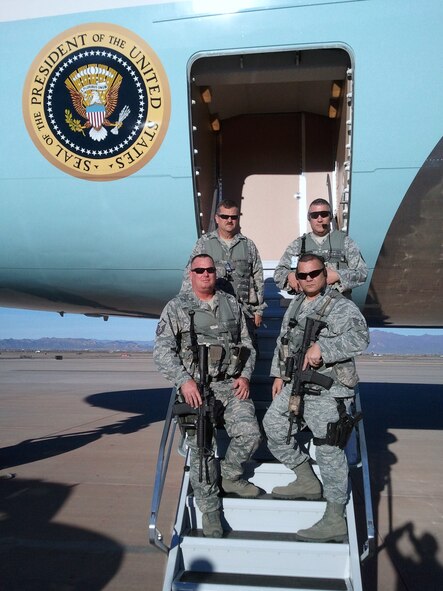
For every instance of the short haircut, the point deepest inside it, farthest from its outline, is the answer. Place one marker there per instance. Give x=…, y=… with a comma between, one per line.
x=320, y=201
x=227, y=204
x=202, y=255
x=309, y=256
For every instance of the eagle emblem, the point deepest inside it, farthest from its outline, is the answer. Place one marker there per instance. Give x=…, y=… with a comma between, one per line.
x=94, y=92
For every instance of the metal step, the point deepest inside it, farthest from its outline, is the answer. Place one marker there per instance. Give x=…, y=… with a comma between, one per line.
x=243, y=555
x=210, y=581
x=265, y=515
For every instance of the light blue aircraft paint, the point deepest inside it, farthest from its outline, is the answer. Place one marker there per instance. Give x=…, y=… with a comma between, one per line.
x=117, y=242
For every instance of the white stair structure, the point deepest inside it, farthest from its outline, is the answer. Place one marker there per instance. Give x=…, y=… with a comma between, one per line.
x=259, y=549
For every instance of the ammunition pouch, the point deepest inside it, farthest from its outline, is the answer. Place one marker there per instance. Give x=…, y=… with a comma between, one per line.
x=217, y=362
x=346, y=373
x=224, y=363
x=237, y=360
x=338, y=433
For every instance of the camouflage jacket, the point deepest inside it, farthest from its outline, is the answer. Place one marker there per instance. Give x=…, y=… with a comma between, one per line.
x=255, y=303
x=171, y=350
x=345, y=336
x=352, y=275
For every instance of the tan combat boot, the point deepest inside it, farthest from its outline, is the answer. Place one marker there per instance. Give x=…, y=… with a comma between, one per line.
x=211, y=524
x=307, y=485
x=240, y=487
x=330, y=528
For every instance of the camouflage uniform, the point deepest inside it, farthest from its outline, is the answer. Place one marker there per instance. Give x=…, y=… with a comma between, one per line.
x=174, y=360
x=252, y=295
x=352, y=273
x=345, y=336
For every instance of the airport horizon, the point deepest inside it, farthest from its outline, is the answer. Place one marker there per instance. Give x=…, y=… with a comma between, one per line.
x=18, y=323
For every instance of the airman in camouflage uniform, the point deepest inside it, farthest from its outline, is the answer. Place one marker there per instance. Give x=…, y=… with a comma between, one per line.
x=238, y=262
x=332, y=355
x=346, y=267
x=218, y=318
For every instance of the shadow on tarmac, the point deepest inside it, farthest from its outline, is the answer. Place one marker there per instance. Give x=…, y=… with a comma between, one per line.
x=40, y=555
x=385, y=407
x=60, y=557
x=148, y=406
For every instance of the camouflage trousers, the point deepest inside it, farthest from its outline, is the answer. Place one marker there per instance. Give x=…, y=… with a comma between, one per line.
x=242, y=428
x=317, y=413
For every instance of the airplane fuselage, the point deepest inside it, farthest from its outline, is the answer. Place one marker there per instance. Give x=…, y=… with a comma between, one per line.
x=104, y=223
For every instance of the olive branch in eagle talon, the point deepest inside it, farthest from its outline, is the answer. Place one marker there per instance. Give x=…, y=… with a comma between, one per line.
x=74, y=124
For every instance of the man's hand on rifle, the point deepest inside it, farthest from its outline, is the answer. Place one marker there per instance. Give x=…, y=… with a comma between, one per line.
x=241, y=388
x=191, y=394
x=313, y=357
x=277, y=387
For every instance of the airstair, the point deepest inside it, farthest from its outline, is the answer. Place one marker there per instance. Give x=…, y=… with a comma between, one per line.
x=258, y=549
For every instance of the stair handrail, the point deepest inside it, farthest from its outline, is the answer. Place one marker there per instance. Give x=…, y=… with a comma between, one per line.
x=164, y=453
x=369, y=544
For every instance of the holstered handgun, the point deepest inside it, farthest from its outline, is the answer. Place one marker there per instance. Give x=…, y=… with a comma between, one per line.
x=338, y=433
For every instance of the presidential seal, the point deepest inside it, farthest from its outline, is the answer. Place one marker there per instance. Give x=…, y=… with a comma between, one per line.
x=96, y=102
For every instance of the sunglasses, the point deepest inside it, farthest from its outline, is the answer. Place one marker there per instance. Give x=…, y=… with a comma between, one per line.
x=312, y=274
x=316, y=214
x=225, y=216
x=201, y=270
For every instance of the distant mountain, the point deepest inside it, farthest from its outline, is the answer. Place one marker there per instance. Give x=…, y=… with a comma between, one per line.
x=391, y=343
x=382, y=343
x=56, y=344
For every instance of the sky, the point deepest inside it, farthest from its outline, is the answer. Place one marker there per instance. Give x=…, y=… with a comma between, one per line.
x=30, y=324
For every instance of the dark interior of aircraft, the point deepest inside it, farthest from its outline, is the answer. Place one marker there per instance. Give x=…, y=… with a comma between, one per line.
x=268, y=113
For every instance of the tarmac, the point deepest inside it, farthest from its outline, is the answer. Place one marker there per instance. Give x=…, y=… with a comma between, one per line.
x=80, y=437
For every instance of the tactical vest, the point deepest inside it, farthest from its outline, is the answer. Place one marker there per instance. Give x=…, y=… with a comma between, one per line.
x=295, y=336
x=220, y=332
x=234, y=271
x=343, y=371
x=332, y=249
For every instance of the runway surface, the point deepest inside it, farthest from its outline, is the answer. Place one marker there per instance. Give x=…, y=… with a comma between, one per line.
x=81, y=436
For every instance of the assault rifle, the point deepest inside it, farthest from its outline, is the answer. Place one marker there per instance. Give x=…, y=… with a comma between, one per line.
x=300, y=377
x=202, y=419
x=206, y=415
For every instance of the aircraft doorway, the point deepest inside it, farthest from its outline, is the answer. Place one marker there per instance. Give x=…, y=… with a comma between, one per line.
x=272, y=131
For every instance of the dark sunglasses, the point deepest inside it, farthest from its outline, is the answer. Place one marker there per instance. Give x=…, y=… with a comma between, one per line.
x=201, y=270
x=312, y=274
x=225, y=216
x=316, y=214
